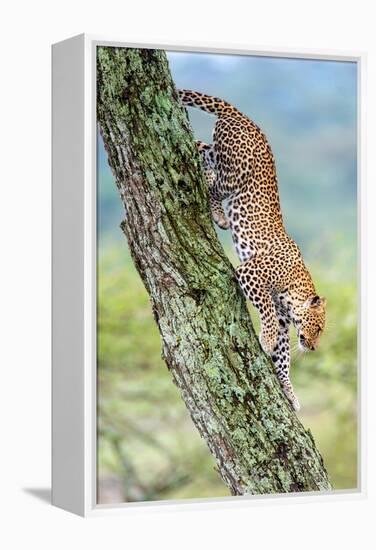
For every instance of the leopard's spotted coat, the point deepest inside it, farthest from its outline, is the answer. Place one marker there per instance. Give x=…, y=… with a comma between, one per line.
x=241, y=176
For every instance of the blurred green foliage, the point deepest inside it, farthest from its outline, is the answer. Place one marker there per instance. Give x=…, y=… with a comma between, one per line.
x=148, y=447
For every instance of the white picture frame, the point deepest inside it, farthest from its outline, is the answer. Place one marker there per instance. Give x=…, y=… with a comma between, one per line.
x=74, y=475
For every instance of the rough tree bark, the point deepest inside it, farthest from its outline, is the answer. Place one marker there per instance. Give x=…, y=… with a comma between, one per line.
x=208, y=342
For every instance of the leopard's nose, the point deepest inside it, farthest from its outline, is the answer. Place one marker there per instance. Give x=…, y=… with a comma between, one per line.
x=312, y=348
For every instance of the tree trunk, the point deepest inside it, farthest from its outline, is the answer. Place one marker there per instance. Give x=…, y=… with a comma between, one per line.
x=208, y=342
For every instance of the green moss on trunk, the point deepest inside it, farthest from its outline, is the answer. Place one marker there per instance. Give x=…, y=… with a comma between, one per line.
x=208, y=341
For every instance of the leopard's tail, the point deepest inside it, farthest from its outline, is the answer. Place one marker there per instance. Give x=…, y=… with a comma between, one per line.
x=207, y=103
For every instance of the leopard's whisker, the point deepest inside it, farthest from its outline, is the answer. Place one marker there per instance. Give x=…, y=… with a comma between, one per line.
x=295, y=352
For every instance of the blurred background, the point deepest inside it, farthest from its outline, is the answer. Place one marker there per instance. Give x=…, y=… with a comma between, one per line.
x=148, y=447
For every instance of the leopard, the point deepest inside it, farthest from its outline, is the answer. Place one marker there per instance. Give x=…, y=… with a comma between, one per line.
x=241, y=177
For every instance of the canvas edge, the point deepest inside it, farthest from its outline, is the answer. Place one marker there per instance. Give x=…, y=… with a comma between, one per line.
x=362, y=275
x=89, y=507
x=68, y=382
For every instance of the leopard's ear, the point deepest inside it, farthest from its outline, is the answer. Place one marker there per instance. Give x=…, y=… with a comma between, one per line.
x=317, y=301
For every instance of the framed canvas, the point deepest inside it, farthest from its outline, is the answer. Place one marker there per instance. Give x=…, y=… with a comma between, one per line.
x=207, y=283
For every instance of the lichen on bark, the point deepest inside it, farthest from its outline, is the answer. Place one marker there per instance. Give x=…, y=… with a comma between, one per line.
x=208, y=342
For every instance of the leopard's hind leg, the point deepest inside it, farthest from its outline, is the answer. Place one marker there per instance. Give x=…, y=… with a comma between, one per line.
x=215, y=198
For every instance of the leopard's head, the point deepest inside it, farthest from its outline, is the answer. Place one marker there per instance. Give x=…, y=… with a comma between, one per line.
x=311, y=322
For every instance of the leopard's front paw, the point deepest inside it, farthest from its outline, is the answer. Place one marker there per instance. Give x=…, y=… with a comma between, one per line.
x=267, y=343
x=295, y=404
x=289, y=393
x=221, y=220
